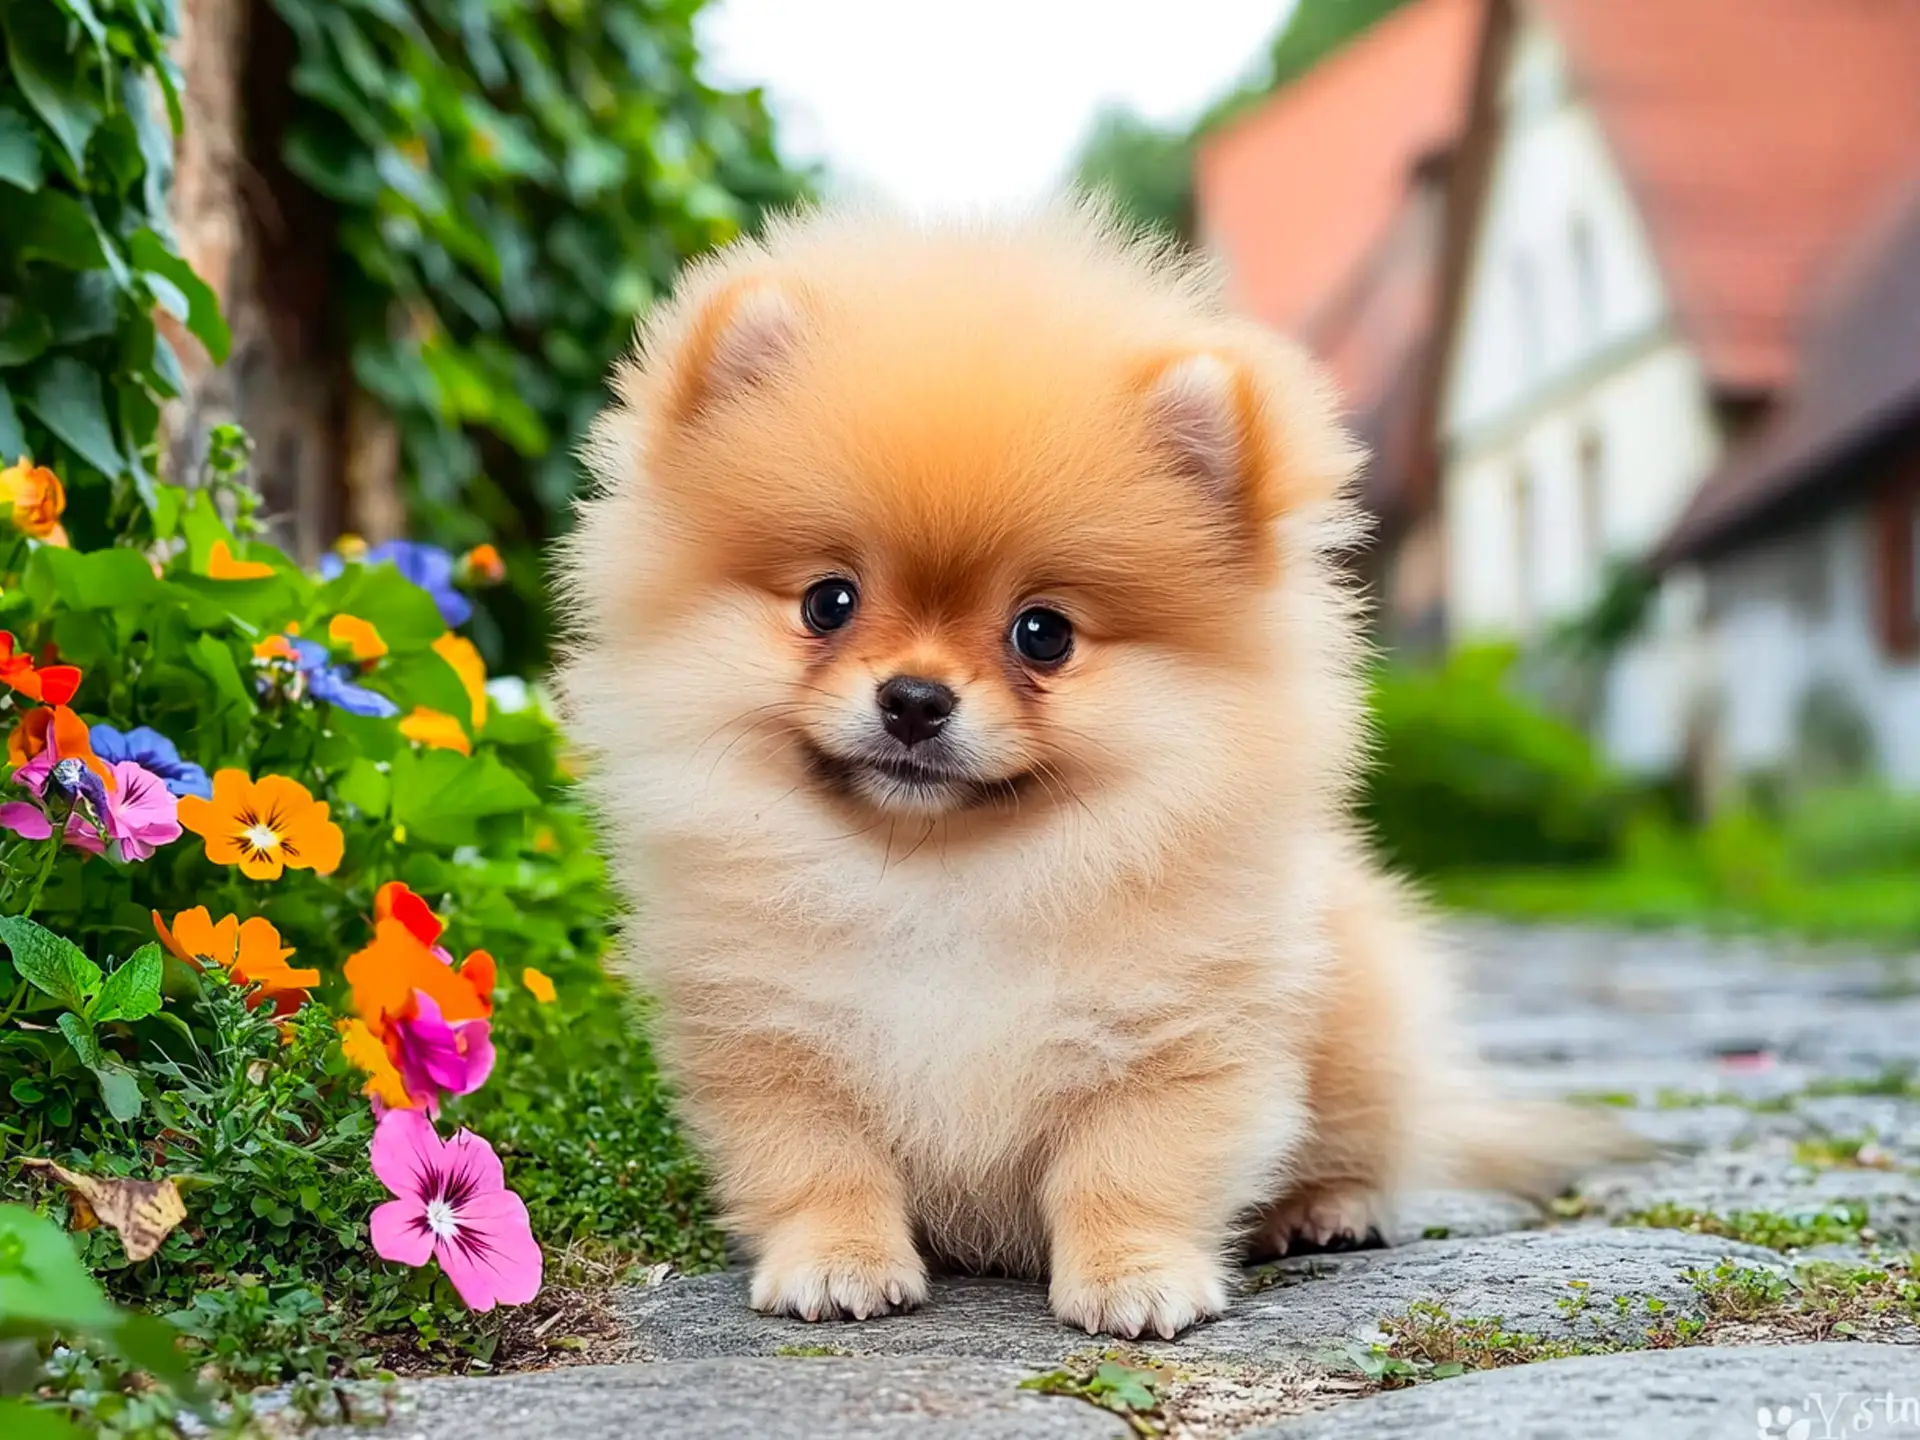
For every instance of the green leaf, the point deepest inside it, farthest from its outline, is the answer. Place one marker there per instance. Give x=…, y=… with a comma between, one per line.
x=215, y=661
x=79, y=1032
x=401, y=611
x=439, y=795
x=67, y=397
x=41, y=1279
x=13, y=435
x=24, y=334
x=365, y=787
x=51, y=963
x=119, y=1087
x=91, y=580
x=131, y=992
x=21, y=1421
x=53, y=84
x=204, y=529
x=148, y=251
x=20, y=164
x=54, y=227
x=155, y=1347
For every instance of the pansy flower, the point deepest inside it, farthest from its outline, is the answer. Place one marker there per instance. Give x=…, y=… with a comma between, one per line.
x=436, y=730
x=461, y=654
x=482, y=565
x=133, y=818
x=427, y=566
x=264, y=826
x=335, y=683
x=55, y=730
x=360, y=638
x=249, y=950
x=33, y=500
x=53, y=684
x=452, y=1205
x=149, y=748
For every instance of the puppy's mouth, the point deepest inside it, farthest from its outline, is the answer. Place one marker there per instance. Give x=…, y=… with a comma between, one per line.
x=907, y=781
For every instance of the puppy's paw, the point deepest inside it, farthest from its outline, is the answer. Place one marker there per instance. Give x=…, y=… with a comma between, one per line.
x=843, y=1282
x=1155, y=1298
x=1321, y=1219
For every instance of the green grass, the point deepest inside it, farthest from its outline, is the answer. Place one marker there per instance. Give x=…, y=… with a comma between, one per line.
x=1844, y=1223
x=1880, y=908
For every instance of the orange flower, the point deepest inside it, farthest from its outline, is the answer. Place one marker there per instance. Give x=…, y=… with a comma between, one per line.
x=65, y=731
x=221, y=565
x=538, y=985
x=460, y=653
x=276, y=647
x=249, y=950
x=365, y=1051
x=264, y=826
x=484, y=565
x=54, y=684
x=35, y=500
x=435, y=729
x=360, y=638
x=404, y=957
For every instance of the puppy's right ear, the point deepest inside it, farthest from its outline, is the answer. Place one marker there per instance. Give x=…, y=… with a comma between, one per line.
x=742, y=336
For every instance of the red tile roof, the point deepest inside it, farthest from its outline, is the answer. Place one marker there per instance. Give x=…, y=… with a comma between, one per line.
x=1298, y=193
x=1858, y=382
x=1756, y=136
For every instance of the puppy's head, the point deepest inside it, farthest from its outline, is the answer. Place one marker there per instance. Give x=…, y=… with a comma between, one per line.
x=997, y=523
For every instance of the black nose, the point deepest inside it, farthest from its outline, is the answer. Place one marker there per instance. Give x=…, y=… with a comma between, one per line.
x=914, y=709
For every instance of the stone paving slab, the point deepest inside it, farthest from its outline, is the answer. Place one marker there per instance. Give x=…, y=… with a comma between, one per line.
x=752, y=1399
x=1704, y=1394
x=1299, y=1308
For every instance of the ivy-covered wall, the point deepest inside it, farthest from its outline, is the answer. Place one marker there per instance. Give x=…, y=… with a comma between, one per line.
x=467, y=204
x=89, y=103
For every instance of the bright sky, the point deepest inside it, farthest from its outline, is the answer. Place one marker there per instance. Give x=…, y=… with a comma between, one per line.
x=943, y=105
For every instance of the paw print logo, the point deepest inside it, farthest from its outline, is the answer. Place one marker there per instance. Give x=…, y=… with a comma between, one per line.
x=1778, y=1423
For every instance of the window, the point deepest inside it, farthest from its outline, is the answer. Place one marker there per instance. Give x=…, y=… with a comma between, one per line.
x=1593, y=504
x=1586, y=276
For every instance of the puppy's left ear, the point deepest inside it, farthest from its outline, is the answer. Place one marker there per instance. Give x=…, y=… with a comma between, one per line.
x=1255, y=431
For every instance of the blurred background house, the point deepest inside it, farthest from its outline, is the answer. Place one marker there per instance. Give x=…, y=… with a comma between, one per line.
x=1589, y=271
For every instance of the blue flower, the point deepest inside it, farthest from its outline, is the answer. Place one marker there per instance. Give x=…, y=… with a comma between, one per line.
x=427, y=566
x=334, y=683
x=151, y=750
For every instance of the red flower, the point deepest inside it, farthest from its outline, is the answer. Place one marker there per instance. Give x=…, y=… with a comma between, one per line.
x=53, y=684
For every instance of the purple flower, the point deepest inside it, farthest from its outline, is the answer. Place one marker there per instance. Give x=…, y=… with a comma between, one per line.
x=153, y=751
x=137, y=817
x=427, y=566
x=334, y=683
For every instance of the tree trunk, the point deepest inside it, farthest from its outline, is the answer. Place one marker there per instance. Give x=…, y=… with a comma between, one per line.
x=326, y=458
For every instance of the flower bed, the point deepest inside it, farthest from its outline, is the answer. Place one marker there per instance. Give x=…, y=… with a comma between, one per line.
x=246, y=809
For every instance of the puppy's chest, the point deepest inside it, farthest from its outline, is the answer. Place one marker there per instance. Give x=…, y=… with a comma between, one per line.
x=951, y=1032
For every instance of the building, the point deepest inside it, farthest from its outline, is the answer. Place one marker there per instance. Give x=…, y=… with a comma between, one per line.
x=1327, y=206
x=1804, y=546
x=1649, y=198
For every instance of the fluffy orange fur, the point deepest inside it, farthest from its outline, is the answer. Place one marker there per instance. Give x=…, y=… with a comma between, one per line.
x=1119, y=988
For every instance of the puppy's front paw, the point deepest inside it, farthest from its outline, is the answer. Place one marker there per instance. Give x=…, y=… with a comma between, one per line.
x=849, y=1281
x=1148, y=1298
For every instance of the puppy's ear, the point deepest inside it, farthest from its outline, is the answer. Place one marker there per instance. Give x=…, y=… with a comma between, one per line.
x=742, y=337
x=1255, y=432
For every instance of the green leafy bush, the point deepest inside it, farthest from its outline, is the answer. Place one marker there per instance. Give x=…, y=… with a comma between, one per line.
x=514, y=185
x=1467, y=773
x=86, y=256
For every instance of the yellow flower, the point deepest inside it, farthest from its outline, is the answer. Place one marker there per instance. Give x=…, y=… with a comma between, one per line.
x=222, y=566
x=359, y=636
x=264, y=826
x=435, y=729
x=365, y=1051
x=34, y=500
x=459, y=652
x=538, y=985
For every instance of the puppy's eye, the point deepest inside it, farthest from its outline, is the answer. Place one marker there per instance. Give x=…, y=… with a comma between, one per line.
x=1042, y=636
x=828, y=605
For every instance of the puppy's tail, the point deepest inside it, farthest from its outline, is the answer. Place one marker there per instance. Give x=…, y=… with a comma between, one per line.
x=1530, y=1148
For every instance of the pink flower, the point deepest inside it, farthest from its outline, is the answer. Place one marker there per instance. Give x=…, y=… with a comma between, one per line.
x=139, y=814
x=437, y=1054
x=455, y=1207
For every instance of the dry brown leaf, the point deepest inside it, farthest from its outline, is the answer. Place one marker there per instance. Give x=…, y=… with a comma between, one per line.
x=141, y=1212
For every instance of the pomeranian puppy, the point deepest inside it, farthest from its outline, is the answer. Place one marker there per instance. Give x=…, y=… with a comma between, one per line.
x=972, y=704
